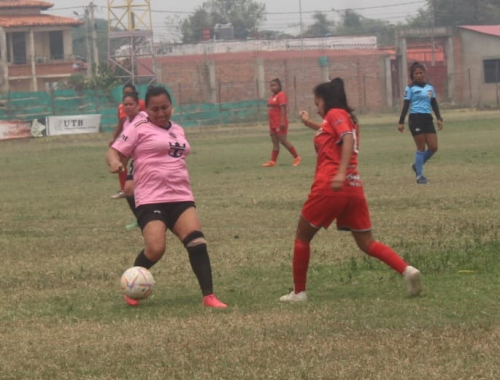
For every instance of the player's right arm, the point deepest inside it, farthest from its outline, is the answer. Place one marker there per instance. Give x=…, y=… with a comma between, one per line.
x=115, y=159
x=404, y=111
x=118, y=153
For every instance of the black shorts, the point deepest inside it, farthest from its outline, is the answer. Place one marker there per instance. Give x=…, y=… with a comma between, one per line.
x=421, y=123
x=130, y=172
x=168, y=213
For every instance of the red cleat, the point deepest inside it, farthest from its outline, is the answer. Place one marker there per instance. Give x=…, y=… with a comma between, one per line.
x=131, y=301
x=212, y=301
x=269, y=164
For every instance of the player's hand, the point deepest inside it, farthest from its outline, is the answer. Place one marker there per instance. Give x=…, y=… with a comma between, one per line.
x=281, y=128
x=116, y=167
x=440, y=125
x=304, y=116
x=401, y=128
x=338, y=182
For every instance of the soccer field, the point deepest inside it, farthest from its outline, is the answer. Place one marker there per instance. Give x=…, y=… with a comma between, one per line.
x=64, y=248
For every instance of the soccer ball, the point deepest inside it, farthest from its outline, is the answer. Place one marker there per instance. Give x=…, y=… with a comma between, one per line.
x=137, y=283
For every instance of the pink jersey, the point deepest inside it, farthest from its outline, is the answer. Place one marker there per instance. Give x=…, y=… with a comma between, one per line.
x=140, y=116
x=159, y=154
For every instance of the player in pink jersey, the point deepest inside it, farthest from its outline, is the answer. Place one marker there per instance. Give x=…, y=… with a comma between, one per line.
x=337, y=191
x=278, y=124
x=162, y=191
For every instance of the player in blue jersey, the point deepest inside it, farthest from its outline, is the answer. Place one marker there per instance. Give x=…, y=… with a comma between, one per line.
x=420, y=100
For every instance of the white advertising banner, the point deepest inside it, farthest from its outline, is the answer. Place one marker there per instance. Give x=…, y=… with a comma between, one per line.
x=70, y=125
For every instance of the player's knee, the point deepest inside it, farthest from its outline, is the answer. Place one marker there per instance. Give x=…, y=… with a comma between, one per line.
x=363, y=241
x=193, y=239
x=433, y=148
x=155, y=250
x=129, y=189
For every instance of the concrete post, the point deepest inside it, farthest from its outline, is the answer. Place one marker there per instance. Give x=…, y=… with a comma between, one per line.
x=34, y=82
x=261, y=78
x=450, y=59
x=325, y=74
x=4, y=64
x=402, y=62
x=388, y=81
x=212, y=82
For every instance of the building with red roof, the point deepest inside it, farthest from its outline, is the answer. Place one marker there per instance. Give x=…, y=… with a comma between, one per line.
x=36, y=49
x=480, y=45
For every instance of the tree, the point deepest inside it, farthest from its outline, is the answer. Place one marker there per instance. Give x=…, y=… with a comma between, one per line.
x=244, y=15
x=322, y=27
x=457, y=12
x=353, y=23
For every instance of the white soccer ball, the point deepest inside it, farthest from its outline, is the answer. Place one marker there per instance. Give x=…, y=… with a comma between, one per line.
x=137, y=283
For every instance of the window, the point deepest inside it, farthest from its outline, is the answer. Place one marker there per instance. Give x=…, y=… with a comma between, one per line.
x=491, y=70
x=19, y=48
x=56, y=45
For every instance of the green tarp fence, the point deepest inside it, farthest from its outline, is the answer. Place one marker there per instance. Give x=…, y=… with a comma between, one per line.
x=28, y=106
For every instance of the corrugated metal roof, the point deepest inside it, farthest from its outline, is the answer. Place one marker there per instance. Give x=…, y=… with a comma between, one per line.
x=39, y=20
x=492, y=30
x=25, y=4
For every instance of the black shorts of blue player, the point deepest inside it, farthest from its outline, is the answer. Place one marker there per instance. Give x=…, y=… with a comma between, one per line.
x=421, y=123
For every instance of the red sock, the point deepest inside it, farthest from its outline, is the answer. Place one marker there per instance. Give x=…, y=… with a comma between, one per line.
x=274, y=155
x=293, y=152
x=387, y=255
x=301, y=255
x=122, y=176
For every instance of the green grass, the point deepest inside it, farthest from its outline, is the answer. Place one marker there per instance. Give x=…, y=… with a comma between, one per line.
x=64, y=247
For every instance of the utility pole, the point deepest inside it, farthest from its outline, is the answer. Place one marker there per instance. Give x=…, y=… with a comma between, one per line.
x=94, y=35
x=301, y=27
x=87, y=43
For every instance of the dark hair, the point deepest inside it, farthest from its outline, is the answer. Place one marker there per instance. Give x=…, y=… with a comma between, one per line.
x=157, y=91
x=133, y=95
x=414, y=67
x=334, y=96
x=129, y=85
x=277, y=81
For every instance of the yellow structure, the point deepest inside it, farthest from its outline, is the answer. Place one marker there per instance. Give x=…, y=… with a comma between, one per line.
x=130, y=40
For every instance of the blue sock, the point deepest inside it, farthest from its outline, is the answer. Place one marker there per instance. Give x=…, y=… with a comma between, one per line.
x=427, y=155
x=419, y=163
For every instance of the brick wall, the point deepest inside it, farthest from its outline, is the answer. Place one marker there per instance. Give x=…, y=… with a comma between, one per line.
x=235, y=76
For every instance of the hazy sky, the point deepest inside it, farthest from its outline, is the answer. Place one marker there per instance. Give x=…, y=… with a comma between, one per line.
x=282, y=14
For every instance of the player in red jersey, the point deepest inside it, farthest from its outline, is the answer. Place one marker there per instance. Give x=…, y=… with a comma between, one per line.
x=122, y=117
x=337, y=191
x=278, y=124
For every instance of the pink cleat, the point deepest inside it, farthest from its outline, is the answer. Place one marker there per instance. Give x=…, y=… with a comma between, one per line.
x=131, y=301
x=212, y=301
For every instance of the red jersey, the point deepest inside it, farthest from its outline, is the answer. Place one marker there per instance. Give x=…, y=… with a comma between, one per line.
x=328, y=144
x=274, y=109
x=121, y=110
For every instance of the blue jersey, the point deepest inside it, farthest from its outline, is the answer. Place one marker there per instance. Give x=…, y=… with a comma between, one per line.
x=420, y=97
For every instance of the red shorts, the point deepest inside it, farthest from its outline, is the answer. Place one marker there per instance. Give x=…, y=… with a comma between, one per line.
x=351, y=212
x=278, y=131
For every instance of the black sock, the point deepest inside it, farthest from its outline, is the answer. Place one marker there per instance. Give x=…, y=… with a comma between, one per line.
x=131, y=204
x=142, y=261
x=200, y=262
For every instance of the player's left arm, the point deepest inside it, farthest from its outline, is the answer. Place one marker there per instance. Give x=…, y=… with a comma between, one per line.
x=435, y=108
x=306, y=120
x=345, y=158
x=282, y=116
